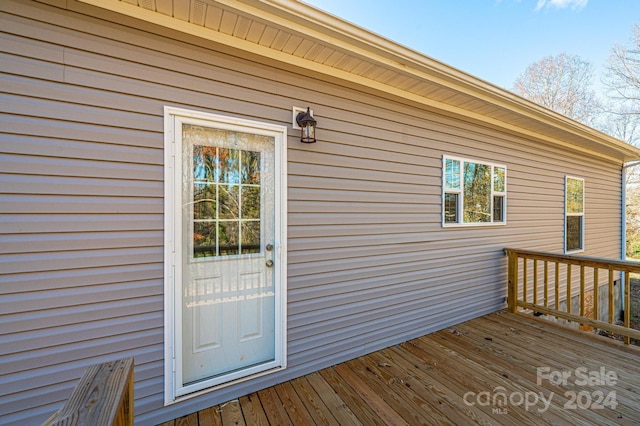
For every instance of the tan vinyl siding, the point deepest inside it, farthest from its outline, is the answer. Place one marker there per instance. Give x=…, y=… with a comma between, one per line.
x=81, y=206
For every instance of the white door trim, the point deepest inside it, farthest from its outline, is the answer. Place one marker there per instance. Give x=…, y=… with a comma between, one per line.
x=174, y=391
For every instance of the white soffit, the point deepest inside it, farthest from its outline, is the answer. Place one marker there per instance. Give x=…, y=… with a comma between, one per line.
x=297, y=34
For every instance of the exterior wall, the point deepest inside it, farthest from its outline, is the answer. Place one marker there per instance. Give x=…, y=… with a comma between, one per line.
x=81, y=217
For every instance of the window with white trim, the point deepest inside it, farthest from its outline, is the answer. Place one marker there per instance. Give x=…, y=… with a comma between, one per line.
x=473, y=192
x=574, y=214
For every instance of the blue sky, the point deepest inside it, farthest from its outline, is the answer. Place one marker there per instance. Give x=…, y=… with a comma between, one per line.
x=496, y=40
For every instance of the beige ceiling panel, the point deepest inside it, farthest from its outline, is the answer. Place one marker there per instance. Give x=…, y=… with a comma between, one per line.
x=181, y=10
x=242, y=27
x=334, y=58
x=228, y=22
x=280, y=40
x=292, y=44
x=268, y=36
x=197, y=13
x=313, y=52
x=324, y=54
x=387, y=76
x=399, y=80
x=362, y=68
x=303, y=48
x=348, y=63
x=256, y=29
x=213, y=18
x=165, y=7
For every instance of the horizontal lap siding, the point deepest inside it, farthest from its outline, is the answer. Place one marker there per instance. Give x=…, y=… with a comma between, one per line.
x=81, y=199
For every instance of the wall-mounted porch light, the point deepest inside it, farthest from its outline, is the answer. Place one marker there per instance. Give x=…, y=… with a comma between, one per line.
x=307, y=125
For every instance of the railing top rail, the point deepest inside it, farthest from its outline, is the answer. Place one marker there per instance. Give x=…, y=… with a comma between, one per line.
x=594, y=262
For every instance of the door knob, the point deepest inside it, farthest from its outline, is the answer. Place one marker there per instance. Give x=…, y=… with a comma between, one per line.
x=269, y=263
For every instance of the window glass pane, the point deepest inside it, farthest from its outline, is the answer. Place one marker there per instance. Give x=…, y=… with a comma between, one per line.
x=452, y=174
x=204, y=201
x=204, y=163
x=574, y=233
x=575, y=192
x=229, y=164
x=204, y=239
x=251, y=202
x=250, y=167
x=450, y=208
x=498, y=208
x=477, y=193
x=228, y=238
x=498, y=179
x=250, y=237
x=229, y=202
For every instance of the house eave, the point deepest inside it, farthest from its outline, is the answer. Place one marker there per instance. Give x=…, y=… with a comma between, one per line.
x=357, y=56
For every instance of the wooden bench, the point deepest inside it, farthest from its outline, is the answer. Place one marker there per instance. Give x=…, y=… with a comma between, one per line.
x=104, y=396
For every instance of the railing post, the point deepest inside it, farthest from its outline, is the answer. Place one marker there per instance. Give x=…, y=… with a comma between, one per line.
x=512, y=288
x=103, y=397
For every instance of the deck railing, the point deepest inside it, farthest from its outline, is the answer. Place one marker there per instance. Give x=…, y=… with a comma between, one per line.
x=104, y=396
x=545, y=283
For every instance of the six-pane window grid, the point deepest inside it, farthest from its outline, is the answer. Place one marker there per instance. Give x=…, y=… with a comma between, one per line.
x=226, y=197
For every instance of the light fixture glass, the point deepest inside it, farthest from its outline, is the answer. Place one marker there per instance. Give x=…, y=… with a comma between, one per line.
x=308, y=125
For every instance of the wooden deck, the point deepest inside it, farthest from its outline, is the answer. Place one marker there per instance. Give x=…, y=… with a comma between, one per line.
x=503, y=368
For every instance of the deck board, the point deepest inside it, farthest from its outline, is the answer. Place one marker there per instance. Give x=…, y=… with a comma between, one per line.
x=425, y=380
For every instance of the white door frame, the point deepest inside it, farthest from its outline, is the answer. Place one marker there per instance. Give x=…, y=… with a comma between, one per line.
x=174, y=390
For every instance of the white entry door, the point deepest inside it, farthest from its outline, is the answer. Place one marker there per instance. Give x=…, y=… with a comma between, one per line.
x=227, y=297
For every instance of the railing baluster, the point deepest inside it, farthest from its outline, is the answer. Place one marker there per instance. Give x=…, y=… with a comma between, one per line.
x=596, y=294
x=557, y=286
x=582, y=290
x=524, y=279
x=627, y=304
x=546, y=284
x=611, y=296
x=535, y=281
x=512, y=288
x=568, y=288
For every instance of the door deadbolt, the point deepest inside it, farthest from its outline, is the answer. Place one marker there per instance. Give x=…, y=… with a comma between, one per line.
x=269, y=247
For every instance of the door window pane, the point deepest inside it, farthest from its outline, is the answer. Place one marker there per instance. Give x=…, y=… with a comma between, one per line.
x=229, y=165
x=250, y=237
x=228, y=238
x=251, y=202
x=204, y=239
x=226, y=193
x=204, y=201
x=229, y=202
x=250, y=168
